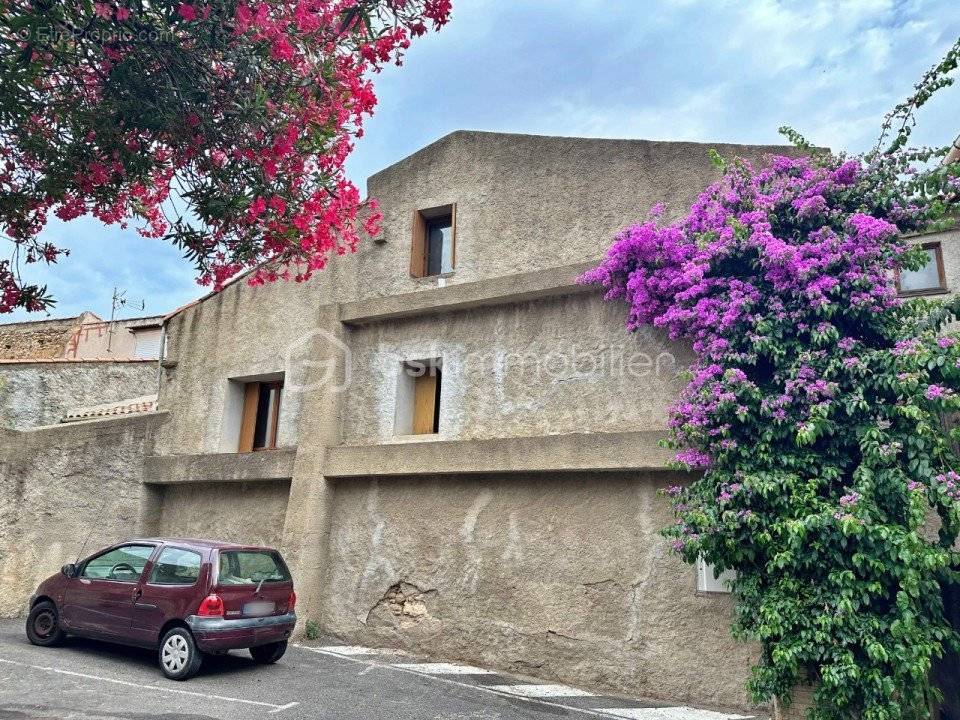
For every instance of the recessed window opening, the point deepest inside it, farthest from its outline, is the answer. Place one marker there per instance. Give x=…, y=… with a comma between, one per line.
x=707, y=581
x=928, y=280
x=261, y=415
x=418, y=397
x=433, y=249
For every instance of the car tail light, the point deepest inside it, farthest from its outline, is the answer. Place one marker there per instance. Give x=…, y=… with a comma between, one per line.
x=211, y=606
x=291, y=601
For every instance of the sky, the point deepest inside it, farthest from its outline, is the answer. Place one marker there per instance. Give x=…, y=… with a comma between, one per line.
x=705, y=70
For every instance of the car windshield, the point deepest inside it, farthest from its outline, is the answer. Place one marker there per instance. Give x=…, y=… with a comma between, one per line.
x=250, y=567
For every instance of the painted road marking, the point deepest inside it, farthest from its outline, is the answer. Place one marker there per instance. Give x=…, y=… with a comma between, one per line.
x=441, y=668
x=671, y=713
x=410, y=669
x=274, y=708
x=541, y=691
x=359, y=650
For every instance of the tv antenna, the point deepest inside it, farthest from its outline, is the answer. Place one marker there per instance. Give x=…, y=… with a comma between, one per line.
x=120, y=300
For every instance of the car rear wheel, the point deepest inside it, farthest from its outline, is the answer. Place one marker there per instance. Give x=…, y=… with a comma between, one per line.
x=270, y=653
x=43, y=625
x=179, y=656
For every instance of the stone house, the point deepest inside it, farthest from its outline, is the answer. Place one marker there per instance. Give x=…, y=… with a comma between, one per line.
x=58, y=370
x=454, y=443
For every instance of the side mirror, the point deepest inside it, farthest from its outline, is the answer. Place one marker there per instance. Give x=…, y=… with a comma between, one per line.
x=69, y=570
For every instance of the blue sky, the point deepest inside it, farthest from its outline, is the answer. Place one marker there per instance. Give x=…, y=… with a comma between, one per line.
x=707, y=70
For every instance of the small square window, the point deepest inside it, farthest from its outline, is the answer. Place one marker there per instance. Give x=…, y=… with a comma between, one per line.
x=418, y=397
x=261, y=415
x=433, y=250
x=707, y=581
x=928, y=280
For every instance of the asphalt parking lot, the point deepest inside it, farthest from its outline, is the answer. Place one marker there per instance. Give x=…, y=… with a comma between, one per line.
x=87, y=680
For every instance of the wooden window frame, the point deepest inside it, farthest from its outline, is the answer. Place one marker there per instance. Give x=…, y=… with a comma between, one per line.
x=248, y=421
x=418, y=245
x=419, y=391
x=937, y=248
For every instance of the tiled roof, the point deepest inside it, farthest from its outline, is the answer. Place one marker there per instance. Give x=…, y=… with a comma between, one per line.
x=132, y=406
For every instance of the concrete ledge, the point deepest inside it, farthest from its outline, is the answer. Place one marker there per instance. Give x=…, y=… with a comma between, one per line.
x=523, y=287
x=219, y=467
x=589, y=452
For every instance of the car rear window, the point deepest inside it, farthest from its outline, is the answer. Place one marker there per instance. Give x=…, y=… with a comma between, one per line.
x=249, y=567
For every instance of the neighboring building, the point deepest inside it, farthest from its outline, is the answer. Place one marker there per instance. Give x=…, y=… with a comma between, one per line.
x=454, y=443
x=51, y=369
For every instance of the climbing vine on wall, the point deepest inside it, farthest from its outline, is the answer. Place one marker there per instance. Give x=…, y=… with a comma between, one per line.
x=815, y=410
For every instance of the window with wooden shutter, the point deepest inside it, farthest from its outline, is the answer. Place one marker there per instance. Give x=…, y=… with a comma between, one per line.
x=261, y=416
x=433, y=246
x=418, y=397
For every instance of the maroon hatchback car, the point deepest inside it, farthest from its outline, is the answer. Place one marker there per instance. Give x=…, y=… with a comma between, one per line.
x=184, y=597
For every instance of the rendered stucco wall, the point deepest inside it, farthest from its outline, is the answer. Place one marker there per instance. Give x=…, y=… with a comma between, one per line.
x=525, y=202
x=563, y=365
x=34, y=394
x=243, y=333
x=65, y=491
x=564, y=578
x=250, y=512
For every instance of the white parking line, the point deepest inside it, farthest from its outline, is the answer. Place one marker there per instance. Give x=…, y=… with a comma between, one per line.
x=671, y=713
x=510, y=691
x=441, y=668
x=352, y=650
x=541, y=691
x=274, y=708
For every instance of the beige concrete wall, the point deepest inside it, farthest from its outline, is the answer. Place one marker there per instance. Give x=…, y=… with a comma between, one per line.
x=65, y=491
x=563, y=365
x=35, y=393
x=562, y=577
x=525, y=202
x=249, y=512
x=241, y=333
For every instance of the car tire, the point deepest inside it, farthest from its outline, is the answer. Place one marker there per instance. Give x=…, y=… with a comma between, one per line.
x=179, y=656
x=43, y=625
x=269, y=653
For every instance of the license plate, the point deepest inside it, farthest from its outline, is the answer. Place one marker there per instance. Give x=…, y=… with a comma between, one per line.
x=259, y=609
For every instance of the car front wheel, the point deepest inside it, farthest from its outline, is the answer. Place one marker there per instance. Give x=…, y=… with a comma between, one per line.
x=179, y=656
x=43, y=625
x=270, y=653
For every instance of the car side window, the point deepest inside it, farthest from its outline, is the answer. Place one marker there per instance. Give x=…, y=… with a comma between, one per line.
x=124, y=564
x=176, y=567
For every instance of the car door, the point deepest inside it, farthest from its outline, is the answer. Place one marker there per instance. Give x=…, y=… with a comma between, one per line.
x=172, y=588
x=99, y=601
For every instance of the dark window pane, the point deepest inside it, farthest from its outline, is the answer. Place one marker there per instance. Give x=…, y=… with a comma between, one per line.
x=124, y=563
x=249, y=567
x=176, y=567
x=439, y=246
x=263, y=433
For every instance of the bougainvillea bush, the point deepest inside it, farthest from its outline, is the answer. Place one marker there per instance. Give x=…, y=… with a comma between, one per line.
x=219, y=125
x=814, y=413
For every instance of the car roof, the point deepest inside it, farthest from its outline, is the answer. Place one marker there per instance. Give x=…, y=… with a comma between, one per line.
x=198, y=543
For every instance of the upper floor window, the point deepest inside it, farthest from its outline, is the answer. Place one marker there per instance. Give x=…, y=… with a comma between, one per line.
x=261, y=414
x=928, y=280
x=433, y=250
